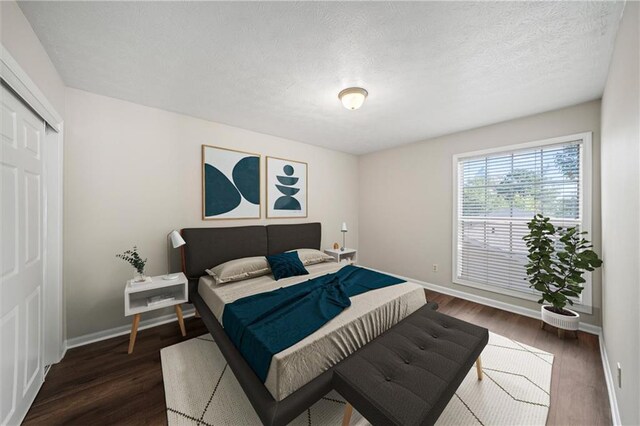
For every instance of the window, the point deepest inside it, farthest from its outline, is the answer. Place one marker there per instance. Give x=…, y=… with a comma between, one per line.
x=497, y=192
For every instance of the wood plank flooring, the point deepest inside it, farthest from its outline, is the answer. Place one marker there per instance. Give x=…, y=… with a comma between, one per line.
x=100, y=384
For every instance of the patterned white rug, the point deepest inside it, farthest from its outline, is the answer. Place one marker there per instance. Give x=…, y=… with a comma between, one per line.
x=200, y=389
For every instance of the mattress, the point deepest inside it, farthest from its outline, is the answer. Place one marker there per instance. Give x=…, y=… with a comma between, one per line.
x=369, y=315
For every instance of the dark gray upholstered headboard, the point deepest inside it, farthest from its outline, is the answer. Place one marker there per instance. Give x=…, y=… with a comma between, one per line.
x=283, y=238
x=208, y=247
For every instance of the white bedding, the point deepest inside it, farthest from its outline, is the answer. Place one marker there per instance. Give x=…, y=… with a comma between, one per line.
x=369, y=315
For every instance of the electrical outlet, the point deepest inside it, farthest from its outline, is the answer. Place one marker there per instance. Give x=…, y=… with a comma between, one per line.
x=619, y=375
x=435, y=267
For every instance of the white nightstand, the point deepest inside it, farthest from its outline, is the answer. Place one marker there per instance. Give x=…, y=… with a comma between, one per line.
x=137, y=300
x=348, y=254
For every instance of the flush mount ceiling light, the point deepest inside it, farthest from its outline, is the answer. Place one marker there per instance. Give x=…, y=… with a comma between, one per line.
x=353, y=97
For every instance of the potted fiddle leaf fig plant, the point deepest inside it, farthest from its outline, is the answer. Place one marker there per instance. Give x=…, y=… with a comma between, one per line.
x=558, y=258
x=132, y=257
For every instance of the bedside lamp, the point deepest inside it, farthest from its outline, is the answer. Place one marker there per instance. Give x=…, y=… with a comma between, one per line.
x=175, y=239
x=344, y=234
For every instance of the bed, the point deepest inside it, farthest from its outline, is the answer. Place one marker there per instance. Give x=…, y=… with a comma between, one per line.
x=301, y=374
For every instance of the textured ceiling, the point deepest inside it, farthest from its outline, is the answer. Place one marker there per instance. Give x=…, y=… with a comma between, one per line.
x=430, y=68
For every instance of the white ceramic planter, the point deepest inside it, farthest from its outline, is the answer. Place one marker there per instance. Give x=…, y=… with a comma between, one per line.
x=564, y=322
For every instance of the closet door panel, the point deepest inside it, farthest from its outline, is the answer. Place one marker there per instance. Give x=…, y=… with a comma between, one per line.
x=22, y=269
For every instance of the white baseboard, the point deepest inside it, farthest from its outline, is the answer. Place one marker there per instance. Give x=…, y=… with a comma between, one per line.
x=611, y=383
x=125, y=329
x=527, y=312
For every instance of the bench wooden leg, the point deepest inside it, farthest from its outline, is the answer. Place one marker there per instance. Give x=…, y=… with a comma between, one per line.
x=348, y=410
x=479, y=368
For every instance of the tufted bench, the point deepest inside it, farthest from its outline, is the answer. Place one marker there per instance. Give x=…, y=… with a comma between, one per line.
x=407, y=375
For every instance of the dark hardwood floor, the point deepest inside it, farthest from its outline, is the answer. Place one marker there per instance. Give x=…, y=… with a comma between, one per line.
x=100, y=384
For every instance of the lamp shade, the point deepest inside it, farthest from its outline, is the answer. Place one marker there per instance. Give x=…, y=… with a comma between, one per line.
x=344, y=227
x=176, y=239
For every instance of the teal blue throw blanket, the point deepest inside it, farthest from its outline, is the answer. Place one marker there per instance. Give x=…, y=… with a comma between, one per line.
x=264, y=324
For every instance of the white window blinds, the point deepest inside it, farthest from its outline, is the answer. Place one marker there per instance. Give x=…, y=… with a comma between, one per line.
x=497, y=194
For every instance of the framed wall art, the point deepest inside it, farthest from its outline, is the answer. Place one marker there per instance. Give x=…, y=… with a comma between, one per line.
x=287, y=188
x=230, y=184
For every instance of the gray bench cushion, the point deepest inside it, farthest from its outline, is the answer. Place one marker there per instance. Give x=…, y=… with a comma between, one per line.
x=407, y=375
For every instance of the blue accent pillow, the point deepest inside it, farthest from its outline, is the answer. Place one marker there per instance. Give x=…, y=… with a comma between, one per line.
x=286, y=265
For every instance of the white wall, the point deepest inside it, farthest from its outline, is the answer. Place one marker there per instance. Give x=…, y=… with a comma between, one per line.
x=133, y=173
x=406, y=197
x=21, y=41
x=621, y=214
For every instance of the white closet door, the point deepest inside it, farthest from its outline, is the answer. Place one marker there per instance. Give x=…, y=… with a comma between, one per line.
x=21, y=257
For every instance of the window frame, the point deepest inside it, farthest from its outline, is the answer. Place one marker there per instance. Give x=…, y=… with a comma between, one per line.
x=584, y=303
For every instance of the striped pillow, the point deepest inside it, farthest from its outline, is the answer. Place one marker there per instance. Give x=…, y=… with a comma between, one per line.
x=286, y=265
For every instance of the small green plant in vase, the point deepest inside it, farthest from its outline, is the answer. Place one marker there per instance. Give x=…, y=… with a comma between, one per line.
x=558, y=258
x=133, y=258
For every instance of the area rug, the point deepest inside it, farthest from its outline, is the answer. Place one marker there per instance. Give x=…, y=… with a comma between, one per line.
x=201, y=389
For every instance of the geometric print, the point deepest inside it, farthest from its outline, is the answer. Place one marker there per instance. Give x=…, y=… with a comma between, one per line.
x=200, y=389
x=515, y=390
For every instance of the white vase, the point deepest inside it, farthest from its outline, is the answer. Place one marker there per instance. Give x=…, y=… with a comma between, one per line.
x=564, y=322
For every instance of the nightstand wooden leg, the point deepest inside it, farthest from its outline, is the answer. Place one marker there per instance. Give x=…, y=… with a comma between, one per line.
x=348, y=410
x=197, y=314
x=181, y=320
x=134, y=332
x=479, y=368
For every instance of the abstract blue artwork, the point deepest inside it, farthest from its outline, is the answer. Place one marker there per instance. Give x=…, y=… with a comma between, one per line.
x=230, y=184
x=286, y=188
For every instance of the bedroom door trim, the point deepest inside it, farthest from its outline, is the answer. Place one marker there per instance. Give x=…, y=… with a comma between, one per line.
x=12, y=74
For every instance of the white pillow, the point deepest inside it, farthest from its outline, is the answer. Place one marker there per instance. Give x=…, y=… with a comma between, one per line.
x=312, y=256
x=240, y=269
